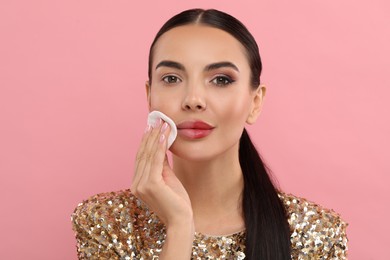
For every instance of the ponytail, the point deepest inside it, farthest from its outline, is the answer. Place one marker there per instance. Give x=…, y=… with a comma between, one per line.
x=267, y=229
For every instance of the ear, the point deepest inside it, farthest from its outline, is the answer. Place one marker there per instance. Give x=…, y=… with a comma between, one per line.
x=147, y=88
x=257, y=103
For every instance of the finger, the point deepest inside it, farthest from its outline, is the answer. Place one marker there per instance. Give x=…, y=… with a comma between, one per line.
x=144, y=155
x=167, y=170
x=154, y=151
x=149, y=153
x=139, y=159
x=166, y=162
x=160, y=155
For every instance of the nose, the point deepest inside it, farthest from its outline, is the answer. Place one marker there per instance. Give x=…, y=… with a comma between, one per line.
x=194, y=99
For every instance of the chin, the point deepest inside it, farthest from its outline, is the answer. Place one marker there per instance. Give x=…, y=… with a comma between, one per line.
x=193, y=153
x=200, y=152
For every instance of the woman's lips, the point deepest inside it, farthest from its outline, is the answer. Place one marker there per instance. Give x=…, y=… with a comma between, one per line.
x=194, y=129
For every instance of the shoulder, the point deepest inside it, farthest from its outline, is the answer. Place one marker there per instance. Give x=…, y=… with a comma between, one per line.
x=315, y=231
x=111, y=222
x=100, y=202
x=117, y=207
x=102, y=206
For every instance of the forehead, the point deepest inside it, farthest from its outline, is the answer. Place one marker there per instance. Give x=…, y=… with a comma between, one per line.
x=199, y=44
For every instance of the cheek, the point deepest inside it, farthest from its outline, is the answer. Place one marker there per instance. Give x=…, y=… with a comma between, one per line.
x=162, y=100
x=156, y=97
x=234, y=109
x=155, y=101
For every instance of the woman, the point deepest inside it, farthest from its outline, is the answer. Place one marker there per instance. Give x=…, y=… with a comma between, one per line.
x=217, y=200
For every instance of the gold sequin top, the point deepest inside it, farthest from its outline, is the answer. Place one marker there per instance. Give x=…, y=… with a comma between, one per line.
x=117, y=225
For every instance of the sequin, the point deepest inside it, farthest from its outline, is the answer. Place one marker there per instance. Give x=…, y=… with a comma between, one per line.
x=117, y=225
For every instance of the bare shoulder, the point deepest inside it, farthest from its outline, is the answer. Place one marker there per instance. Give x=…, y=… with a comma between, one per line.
x=316, y=231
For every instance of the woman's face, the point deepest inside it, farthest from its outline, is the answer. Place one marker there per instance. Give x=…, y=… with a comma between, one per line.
x=201, y=79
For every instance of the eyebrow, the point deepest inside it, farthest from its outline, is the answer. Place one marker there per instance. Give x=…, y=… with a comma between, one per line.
x=222, y=64
x=170, y=64
x=212, y=66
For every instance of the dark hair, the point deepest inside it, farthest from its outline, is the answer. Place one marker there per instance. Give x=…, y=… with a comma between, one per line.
x=267, y=229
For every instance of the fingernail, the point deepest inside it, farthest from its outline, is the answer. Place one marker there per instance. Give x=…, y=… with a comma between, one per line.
x=164, y=127
x=162, y=138
x=147, y=129
x=157, y=123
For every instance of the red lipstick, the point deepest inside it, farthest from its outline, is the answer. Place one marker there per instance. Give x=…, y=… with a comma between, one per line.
x=194, y=129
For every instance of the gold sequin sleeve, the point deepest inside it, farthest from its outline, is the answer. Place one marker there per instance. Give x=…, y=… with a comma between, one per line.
x=316, y=232
x=116, y=225
x=92, y=238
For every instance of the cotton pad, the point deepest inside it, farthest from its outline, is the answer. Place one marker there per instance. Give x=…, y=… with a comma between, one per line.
x=155, y=115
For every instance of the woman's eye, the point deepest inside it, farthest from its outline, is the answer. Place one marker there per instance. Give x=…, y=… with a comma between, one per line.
x=222, y=81
x=171, y=79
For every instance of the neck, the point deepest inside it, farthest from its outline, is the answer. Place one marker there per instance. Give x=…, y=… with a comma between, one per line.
x=214, y=187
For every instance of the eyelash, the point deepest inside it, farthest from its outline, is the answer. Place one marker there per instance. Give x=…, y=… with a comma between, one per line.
x=226, y=80
x=167, y=77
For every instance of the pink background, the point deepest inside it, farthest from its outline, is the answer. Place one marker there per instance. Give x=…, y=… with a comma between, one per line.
x=72, y=109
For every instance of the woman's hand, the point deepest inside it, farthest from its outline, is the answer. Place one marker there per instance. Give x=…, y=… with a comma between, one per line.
x=156, y=184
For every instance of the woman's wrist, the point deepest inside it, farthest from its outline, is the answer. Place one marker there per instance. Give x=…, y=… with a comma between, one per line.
x=184, y=219
x=184, y=227
x=179, y=239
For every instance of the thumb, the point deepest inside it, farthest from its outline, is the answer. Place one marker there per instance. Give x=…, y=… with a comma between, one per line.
x=167, y=170
x=166, y=165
